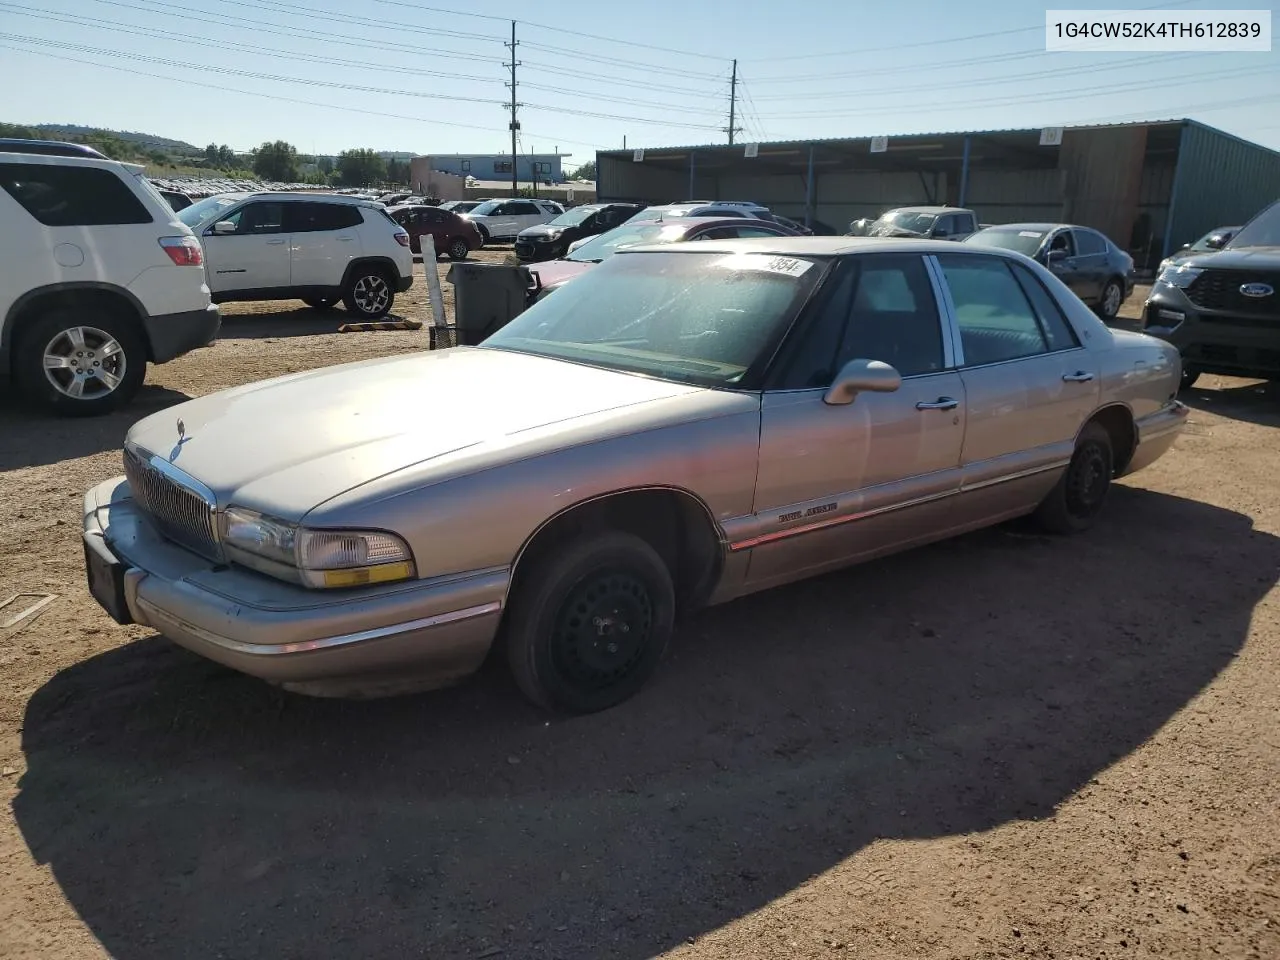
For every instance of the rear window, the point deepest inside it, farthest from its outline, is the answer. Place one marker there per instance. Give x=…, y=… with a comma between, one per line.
x=69, y=196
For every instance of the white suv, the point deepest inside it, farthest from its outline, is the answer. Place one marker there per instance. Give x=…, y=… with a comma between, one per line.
x=302, y=246
x=503, y=219
x=97, y=277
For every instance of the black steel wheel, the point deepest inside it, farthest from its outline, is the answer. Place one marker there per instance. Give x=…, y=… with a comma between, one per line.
x=1075, y=502
x=1190, y=374
x=588, y=624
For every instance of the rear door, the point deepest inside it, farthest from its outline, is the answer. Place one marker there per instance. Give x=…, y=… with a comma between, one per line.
x=1091, y=263
x=323, y=240
x=256, y=256
x=529, y=214
x=1029, y=383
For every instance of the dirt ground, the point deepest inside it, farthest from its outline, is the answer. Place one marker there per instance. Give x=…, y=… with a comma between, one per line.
x=1001, y=746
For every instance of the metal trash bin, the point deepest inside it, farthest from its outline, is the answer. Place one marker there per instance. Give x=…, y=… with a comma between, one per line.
x=486, y=297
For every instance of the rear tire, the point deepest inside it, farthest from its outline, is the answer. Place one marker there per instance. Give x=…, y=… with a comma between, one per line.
x=368, y=294
x=587, y=627
x=1190, y=374
x=80, y=361
x=320, y=303
x=1076, y=501
x=1111, y=300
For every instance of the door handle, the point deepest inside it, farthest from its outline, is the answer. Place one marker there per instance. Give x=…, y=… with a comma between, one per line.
x=1080, y=376
x=346, y=239
x=942, y=403
x=280, y=240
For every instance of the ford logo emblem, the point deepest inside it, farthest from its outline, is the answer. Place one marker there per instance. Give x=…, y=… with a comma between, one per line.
x=1257, y=290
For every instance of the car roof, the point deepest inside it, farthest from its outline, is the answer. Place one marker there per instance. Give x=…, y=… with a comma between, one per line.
x=1044, y=227
x=789, y=246
x=291, y=197
x=696, y=221
x=52, y=148
x=927, y=209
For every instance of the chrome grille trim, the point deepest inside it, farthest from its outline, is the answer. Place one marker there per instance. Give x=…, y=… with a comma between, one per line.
x=182, y=508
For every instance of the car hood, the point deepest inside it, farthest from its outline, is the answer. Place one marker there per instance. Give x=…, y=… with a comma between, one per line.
x=552, y=273
x=1244, y=258
x=542, y=231
x=286, y=445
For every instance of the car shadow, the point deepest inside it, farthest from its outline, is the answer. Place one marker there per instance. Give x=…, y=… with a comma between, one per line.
x=1253, y=401
x=30, y=437
x=286, y=322
x=187, y=811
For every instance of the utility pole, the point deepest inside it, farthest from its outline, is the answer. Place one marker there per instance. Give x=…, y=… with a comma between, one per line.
x=515, y=124
x=733, y=100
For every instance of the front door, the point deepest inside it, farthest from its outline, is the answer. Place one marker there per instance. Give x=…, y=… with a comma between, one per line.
x=841, y=483
x=255, y=257
x=1065, y=263
x=1029, y=383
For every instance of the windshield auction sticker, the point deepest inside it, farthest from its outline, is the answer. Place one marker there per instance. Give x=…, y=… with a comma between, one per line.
x=768, y=262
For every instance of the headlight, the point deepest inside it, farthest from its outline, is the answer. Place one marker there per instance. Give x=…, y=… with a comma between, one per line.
x=315, y=558
x=1179, y=276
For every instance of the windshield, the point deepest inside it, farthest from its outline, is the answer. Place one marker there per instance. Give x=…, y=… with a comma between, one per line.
x=902, y=221
x=699, y=318
x=1262, y=231
x=203, y=211
x=571, y=218
x=486, y=208
x=1026, y=242
x=628, y=235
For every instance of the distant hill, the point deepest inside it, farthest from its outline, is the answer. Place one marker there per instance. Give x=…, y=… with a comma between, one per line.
x=149, y=141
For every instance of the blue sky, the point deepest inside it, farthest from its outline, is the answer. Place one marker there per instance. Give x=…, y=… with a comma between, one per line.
x=327, y=75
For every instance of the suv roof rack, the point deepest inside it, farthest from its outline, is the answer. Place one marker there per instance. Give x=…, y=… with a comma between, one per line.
x=54, y=148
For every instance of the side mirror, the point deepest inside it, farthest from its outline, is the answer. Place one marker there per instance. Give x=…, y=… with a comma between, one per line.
x=1056, y=256
x=1216, y=243
x=1185, y=246
x=874, y=376
x=224, y=227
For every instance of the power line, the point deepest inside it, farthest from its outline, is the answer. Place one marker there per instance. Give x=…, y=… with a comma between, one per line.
x=291, y=9
x=620, y=81
x=1028, y=98
x=272, y=96
x=649, y=67
x=704, y=111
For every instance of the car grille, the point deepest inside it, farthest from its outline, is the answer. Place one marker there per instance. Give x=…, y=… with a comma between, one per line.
x=1220, y=290
x=180, y=513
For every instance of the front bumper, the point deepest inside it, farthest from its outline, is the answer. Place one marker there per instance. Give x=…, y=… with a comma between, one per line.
x=414, y=635
x=173, y=334
x=1215, y=341
x=537, y=250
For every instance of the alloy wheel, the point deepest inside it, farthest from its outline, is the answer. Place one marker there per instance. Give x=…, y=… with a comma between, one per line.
x=84, y=363
x=371, y=294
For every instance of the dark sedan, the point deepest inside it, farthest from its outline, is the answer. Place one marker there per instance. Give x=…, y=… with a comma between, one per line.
x=1096, y=270
x=554, y=273
x=546, y=241
x=451, y=233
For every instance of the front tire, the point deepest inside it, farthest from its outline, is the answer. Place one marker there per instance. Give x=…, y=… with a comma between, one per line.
x=458, y=250
x=81, y=361
x=587, y=628
x=1111, y=300
x=484, y=234
x=368, y=294
x=1076, y=501
x=1190, y=374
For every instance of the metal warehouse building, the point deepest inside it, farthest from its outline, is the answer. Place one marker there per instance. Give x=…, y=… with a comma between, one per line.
x=1149, y=186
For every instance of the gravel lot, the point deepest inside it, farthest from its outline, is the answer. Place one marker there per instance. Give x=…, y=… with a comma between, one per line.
x=1004, y=745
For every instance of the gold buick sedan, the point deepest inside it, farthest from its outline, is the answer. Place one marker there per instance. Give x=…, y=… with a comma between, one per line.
x=679, y=427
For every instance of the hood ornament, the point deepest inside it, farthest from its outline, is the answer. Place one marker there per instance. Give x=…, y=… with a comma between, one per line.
x=182, y=438
x=182, y=430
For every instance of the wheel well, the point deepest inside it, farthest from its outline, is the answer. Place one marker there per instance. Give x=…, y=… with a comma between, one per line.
x=675, y=523
x=30, y=310
x=382, y=265
x=1118, y=422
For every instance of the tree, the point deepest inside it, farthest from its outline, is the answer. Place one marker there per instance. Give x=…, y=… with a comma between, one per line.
x=397, y=171
x=211, y=154
x=359, y=168
x=585, y=172
x=276, y=161
x=226, y=155
x=18, y=132
x=325, y=165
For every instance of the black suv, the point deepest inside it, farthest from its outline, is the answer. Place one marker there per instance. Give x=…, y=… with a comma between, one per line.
x=1222, y=309
x=546, y=241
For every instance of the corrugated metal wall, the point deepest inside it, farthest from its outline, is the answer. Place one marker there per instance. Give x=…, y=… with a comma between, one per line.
x=1102, y=173
x=1010, y=196
x=1221, y=180
x=619, y=179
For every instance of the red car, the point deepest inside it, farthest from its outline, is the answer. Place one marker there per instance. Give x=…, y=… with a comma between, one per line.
x=553, y=273
x=452, y=234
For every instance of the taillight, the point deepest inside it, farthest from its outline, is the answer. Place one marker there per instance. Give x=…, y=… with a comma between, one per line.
x=402, y=238
x=183, y=251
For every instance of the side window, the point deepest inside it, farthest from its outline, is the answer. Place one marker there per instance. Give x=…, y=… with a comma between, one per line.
x=1088, y=243
x=725, y=213
x=259, y=218
x=995, y=318
x=894, y=317
x=717, y=233
x=430, y=216
x=945, y=226
x=965, y=223
x=810, y=361
x=1057, y=329
x=310, y=217
x=523, y=208
x=70, y=196
x=745, y=232
x=1062, y=241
